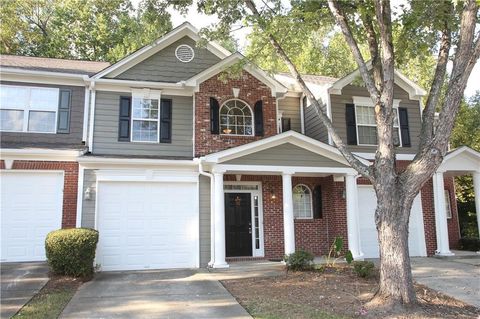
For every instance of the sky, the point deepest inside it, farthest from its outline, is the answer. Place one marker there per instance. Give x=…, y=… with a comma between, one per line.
x=200, y=20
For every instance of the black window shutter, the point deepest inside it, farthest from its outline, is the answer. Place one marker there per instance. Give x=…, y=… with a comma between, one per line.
x=286, y=124
x=404, y=129
x=258, y=116
x=124, y=118
x=214, y=116
x=351, y=124
x=64, y=102
x=317, y=202
x=166, y=121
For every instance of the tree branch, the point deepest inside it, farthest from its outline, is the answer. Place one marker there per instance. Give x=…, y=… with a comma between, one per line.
x=320, y=109
x=373, y=48
x=341, y=20
x=438, y=80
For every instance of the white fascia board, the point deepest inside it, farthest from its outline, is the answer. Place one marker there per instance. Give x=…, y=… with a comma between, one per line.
x=371, y=156
x=31, y=76
x=185, y=29
x=113, y=85
x=108, y=162
x=146, y=175
x=460, y=150
x=32, y=154
x=267, y=169
x=276, y=87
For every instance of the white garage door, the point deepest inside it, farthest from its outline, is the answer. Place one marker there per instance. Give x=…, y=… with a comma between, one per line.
x=367, y=203
x=31, y=207
x=150, y=225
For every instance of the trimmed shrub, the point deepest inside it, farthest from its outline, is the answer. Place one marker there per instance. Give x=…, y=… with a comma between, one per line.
x=299, y=260
x=472, y=244
x=71, y=252
x=363, y=269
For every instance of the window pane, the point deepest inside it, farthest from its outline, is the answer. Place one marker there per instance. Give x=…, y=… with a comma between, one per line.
x=236, y=118
x=11, y=120
x=367, y=135
x=44, y=99
x=365, y=115
x=145, y=131
x=13, y=97
x=40, y=121
x=302, y=202
x=396, y=137
x=145, y=109
x=395, y=117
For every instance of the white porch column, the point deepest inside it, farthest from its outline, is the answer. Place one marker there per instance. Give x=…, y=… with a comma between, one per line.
x=443, y=247
x=288, y=222
x=476, y=190
x=220, y=252
x=353, y=221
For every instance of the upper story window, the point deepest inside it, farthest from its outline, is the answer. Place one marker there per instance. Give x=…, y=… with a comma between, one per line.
x=28, y=109
x=236, y=118
x=302, y=202
x=366, y=125
x=145, y=116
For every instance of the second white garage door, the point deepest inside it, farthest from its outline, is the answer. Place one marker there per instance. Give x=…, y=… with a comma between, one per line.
x=147, y=225
x=367, y=203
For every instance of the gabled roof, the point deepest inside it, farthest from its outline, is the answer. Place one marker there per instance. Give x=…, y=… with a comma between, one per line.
x=185, y=29
x=292, y=137
x=462, y=159
x=414, y=91
x=274, y=85
x=51, y=64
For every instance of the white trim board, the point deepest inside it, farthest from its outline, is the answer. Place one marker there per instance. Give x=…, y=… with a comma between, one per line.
x=40, y=154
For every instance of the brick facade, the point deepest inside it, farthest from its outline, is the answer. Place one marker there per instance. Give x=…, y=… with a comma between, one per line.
x=251, y=90
x=70, y=186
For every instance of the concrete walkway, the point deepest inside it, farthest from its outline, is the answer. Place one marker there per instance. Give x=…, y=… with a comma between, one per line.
x=154, y=294
x=457, y=276
x=19, y=283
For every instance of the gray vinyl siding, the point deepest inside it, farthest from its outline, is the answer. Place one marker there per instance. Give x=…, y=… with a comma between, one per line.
x=163, y=66
x=204, y=205
x=291, y=109
x=314, y=128
x=72, y=139
x=88, y=205
x=285, y=155
x=338, y=116
x=105, y=136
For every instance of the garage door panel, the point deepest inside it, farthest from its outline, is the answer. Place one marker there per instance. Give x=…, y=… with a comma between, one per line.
x=153, y=221
x=367, y=202
x=31, y=207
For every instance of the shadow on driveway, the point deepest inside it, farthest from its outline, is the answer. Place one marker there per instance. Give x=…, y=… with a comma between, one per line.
x=153, y=294
x=19, y=283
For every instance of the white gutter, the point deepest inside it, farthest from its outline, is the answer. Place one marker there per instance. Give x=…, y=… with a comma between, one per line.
x=85, y=114
x=212, y=213
x=7, y=70
x=92, y=116
x=168, y=85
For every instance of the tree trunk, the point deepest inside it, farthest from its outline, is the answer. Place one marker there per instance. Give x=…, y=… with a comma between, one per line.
x=392, y=219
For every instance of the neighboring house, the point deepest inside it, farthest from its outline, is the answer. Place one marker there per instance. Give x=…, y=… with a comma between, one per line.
x=178, y=165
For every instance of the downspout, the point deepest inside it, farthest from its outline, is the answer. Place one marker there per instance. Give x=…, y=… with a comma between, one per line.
x=212, y=213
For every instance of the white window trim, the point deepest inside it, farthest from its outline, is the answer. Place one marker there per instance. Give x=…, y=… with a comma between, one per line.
x=366, y=101
x=27, y=108
x=220, y=118
x=311, y=202
x=146, y=94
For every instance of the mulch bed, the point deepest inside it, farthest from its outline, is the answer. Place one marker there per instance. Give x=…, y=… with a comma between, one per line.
x=334, y=293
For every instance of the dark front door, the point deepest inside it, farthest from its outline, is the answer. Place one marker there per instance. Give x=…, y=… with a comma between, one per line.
x=238, y=224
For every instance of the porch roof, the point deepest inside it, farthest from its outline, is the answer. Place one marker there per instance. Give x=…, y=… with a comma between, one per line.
x=461, y=161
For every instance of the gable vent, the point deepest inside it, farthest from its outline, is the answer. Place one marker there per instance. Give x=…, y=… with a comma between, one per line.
x=184, y=53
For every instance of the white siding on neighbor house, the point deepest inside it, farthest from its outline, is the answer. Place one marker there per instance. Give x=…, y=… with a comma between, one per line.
x=105, y=136
x=290, y=106
x=164, y=66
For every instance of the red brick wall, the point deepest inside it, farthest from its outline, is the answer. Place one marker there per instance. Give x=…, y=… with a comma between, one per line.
x=313, y=235
x=69, y=189
x=251, y=90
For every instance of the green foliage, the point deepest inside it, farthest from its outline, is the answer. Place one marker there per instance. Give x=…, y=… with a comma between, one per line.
x=335, y=253
x=100, y=30
x=471, y=244
x=299, y=260
x=71, y=252
x=363, y=269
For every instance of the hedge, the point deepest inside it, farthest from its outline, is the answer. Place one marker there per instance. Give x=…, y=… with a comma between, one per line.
x=71, y=252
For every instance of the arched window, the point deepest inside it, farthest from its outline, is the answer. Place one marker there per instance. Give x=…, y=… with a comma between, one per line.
x=302, y=202
x=236, y=118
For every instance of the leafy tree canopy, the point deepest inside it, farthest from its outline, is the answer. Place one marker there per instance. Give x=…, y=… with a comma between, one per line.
x=99, y=30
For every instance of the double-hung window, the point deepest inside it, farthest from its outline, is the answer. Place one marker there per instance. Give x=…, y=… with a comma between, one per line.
x=28, y=109
x=302, y=202
x=145, y=116
x=366, y=125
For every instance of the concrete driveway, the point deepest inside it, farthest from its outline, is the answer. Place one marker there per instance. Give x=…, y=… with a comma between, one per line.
x=19, y=283
x=458, y=277
x=154, y=294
